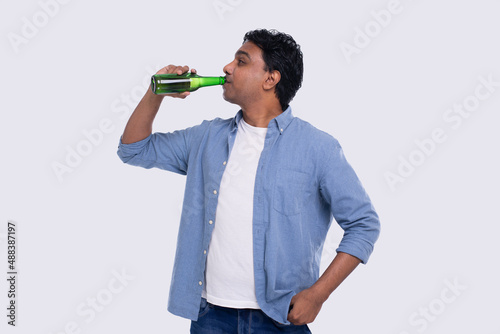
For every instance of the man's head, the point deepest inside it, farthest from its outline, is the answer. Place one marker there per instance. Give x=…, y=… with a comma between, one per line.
x=270, y=60
x=281, y=53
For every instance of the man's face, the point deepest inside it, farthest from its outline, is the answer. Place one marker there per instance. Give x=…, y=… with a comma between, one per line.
x=245, y=76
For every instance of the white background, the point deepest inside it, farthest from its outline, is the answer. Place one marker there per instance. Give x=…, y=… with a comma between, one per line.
x=440, y=223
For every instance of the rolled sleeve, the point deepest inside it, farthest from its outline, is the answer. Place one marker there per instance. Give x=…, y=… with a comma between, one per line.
x=128, y=152
x=168, y=151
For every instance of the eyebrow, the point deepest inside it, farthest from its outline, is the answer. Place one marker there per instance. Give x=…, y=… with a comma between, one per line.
x=240, y=52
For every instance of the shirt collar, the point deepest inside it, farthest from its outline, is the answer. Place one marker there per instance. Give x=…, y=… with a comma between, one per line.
x=281, y=121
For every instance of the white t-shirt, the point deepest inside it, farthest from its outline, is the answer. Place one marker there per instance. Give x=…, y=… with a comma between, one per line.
x=229, y=271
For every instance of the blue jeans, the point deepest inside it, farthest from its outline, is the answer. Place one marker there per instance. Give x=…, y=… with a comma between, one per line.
x=213, y=319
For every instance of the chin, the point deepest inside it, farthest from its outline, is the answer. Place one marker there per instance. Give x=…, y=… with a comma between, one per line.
x=227, y=98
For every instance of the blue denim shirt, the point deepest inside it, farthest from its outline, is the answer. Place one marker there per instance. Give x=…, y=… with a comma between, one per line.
x=302, y=181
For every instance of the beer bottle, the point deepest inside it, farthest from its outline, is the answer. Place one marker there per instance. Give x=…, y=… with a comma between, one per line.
x=174, y=83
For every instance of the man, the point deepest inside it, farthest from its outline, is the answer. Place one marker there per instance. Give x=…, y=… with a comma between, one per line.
x=261, y=191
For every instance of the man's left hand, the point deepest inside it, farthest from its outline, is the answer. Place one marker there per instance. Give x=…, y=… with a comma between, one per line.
x=305, y=306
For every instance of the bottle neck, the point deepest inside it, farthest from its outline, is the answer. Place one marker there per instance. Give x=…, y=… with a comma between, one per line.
x=211, y=81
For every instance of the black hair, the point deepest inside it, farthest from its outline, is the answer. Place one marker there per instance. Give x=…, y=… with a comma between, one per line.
x=281, y=53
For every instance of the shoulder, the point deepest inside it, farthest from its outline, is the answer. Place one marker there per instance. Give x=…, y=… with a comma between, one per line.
x=210, y=125
x=319, y=138
x=217, y=125
x=218, y=122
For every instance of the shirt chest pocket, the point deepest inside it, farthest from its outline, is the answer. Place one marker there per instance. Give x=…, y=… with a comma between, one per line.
x=290, y=191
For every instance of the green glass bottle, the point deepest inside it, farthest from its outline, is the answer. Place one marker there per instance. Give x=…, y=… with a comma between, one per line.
x=174, y=83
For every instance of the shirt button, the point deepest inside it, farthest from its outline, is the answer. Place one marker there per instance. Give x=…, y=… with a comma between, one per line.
x=224, y=163
x=205, y=251
x=200, y=283
x=215, y=192
x=281, y=130
x=210, y=222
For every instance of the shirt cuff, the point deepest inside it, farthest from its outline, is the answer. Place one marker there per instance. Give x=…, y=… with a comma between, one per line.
x=359, y=248
x=128, y=150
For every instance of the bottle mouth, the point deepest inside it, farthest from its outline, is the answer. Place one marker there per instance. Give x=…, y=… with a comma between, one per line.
x=153, y=84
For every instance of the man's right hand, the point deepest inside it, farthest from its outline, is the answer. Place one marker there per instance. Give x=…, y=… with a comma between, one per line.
x=140, y=124
x=179, y=70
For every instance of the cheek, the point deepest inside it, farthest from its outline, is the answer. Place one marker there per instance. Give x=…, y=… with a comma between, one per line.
x=254, y=79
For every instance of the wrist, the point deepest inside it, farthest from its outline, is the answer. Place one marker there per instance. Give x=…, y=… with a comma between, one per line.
x=154, y=96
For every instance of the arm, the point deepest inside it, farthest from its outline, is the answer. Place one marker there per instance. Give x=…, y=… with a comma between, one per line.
x=307, y=303
x=353, y=211
x=167, y=151
x=140, y=124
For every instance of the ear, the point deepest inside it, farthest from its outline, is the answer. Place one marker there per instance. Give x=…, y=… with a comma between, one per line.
x=273, y=77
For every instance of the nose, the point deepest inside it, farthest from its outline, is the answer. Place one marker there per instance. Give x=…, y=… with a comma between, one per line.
x=228, y=69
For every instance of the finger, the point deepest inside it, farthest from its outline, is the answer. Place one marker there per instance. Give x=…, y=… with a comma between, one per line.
x=193, y=70
x=294, y=320
x=181, y=69
x=167, y=69
x=170, y=68
x=173, y=69
x=183, y=95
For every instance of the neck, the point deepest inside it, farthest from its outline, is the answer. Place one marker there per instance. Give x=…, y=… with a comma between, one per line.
x=261, y=115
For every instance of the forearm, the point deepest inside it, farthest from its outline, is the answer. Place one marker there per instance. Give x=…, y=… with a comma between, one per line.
x=342, y=265
x=305, y=305
x=140, y=124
